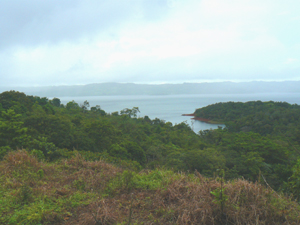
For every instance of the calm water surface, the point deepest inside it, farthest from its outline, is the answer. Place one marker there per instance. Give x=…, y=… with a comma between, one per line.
x=171, y=107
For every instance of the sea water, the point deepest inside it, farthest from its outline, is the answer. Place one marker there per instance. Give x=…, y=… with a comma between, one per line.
x=171, y=107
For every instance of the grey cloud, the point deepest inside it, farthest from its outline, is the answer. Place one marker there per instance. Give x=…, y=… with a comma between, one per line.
x=51, y=21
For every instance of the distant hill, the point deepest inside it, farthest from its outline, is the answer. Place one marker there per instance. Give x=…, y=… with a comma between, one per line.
x=99, y=89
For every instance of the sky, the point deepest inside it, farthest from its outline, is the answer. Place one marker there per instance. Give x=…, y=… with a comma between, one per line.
x=55, y=42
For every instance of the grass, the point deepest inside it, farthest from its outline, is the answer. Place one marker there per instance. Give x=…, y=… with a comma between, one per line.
x=76, y=191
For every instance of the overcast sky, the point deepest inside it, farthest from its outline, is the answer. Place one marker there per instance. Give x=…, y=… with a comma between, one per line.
x=55, y=42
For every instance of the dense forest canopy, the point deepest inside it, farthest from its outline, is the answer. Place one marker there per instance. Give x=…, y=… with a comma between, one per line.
x=265, y=118
x=261, y=139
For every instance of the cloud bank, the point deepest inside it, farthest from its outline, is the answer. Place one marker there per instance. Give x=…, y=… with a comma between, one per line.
x=55, y=42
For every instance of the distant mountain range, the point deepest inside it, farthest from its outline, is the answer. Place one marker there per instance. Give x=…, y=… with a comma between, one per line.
x=99, y=89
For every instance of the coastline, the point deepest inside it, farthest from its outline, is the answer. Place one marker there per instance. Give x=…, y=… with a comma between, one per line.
x=202, y=119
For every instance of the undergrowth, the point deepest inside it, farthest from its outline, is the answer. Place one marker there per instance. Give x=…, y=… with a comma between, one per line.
x=76, y=191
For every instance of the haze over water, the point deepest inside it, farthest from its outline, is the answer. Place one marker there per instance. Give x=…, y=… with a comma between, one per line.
x=171, y=107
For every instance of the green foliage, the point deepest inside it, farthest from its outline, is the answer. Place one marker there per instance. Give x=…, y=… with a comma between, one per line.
x=204, y=161
x=12, y=131
x=220, y=197
x=248, y=153
x=293, y=184
x=79, y=184
x=85, y=105
x=3, y=151
x=16, y=100
x=38, y=154
x=25, y=194
x=97, y=109
x=34, y=213
x=130, y=180
x=41, y=173
x=130, y=112
x=56, y=129
x=46, y=149
x=72, y=106
x=135, y=151
x=276, y=118
x=118, y=151
x=102, y=133
x=56, y=102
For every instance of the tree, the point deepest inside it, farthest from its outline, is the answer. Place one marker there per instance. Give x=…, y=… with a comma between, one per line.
x=102, y=133
x=56, y=129
x=9, y=99
x=12, y=131
x=205, y=161
x=97, y=109
x=135, y=151
x=72, y=106
x=118, y=151
x=56, y=102
x=85, y=105
x=130, y=112
x=294, y=180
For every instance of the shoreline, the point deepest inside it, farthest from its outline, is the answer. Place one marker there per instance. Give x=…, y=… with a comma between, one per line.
x=191, y=114
x=201, y=119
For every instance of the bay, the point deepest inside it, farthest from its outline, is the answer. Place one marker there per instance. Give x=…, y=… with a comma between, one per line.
x=171, y=107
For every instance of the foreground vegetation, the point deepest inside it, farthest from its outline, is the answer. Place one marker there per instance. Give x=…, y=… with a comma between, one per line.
x=79, y=164
x=76, y=191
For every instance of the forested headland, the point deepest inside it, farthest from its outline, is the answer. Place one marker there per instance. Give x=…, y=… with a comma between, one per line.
x=77, y=164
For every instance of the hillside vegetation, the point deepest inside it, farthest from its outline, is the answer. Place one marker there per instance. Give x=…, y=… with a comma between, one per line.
x=79, y=164
x=76, y=191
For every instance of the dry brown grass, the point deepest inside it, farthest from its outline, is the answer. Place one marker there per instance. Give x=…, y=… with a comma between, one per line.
x=94, y=175
x=59, y=180
x=19, y=159
x=191, y=202
x=185, y=200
